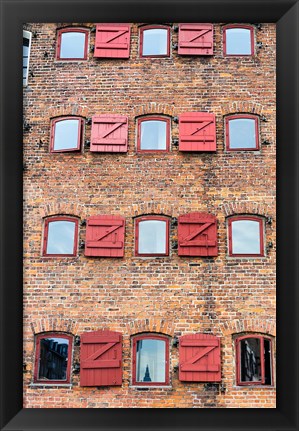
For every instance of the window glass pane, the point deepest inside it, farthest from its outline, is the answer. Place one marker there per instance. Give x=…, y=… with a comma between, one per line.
x=72, y=45
x=152, y=237
x=150, y=361
x=268, y=377
x=25, y=58
x=245, y=237
x=238, y=41
x=250, y=360
x=153, y=135
x=242, y=133
x=155, y=42
x=61, y=237
x=66, y=134
x=53, y=358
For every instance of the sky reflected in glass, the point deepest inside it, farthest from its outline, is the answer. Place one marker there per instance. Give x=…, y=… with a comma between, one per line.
x=242, y=133
x=245, y=237
x=152, y=237
x=72, y=45
x=66, y=135
x=154, y=42
x=61, y=237
x=150, y=361
x=153, y=135
x=238, y=41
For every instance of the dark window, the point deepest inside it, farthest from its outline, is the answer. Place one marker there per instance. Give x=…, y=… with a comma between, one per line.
x=152, y=236
x=242, y=133
x=60, y=236
x=66, y=134
x=153, y=134
x=72, y=44
x=246, y=236
x=150, y=360
x=53, y=358
x=254, y=360
x=154, y=41
x=238, y=40
x=26, y=55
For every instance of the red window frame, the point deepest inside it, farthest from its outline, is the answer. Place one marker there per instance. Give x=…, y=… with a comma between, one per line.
x=46, y=230
x=238, y=360
x=54, y=121
x=230, y=238
x=153, y=118
x=71, y=30
x=38, y=339
x=150, y=27
x=167, y=359
x=241, y=117
x=248, y=27
x=149, y=218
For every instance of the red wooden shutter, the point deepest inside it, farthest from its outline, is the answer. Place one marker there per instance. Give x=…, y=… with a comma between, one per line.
x=197, y=235
x=109, y=133
x=105, y=236
x=199, y=358
x=197, y=131
x=101, y=358
x=195, y=39
x=112, y=41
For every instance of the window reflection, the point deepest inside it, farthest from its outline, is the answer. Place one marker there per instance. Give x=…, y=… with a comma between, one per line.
x=152, y=237
x=72, y=45
x=238, y=41
x=66, y=135
x=153, y=135
x=242, y=133
x=245, y=237
x=250, y=360
x=150, y=361
x=61, y=237
x=53, y=359
x=155, y=42
x=26, y=43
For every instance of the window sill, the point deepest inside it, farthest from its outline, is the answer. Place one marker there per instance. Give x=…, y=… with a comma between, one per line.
x=149, y=387
x=49, y=385
x=246, y=387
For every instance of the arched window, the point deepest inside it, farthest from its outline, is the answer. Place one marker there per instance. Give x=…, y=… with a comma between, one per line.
x=154, y=41
x=152, y=236
x=150, y=360
x=242, y=132
x=246, y=236
x=72, y=44
x=53, y=357
x=60, y=236
x=153, y=134
x=66, y=134
x=254, y=360
x=238, y=40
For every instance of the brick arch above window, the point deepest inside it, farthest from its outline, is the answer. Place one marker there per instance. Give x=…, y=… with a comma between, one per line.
x=153, y=108
x=242, y=106
x=239, y=326
x=63, y=208
x=151, y=325
x=246, y=207
x=54, y=324
x=153, y=208
x=68, y=109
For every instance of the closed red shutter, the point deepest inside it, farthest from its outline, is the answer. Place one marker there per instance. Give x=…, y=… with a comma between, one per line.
x=197, y=131
x=109, y=134
x=197, y=235
x=199, y=358
x=112, y=41
x=101, y=359
x=195, y=39
x=105, y=236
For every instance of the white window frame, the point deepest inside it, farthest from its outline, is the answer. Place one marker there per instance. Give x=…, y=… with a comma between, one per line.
x=27, y=35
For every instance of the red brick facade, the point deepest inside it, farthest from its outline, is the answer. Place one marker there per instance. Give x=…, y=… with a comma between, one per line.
x=173, y=295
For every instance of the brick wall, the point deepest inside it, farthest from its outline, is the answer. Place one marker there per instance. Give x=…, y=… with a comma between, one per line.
x=220, y=295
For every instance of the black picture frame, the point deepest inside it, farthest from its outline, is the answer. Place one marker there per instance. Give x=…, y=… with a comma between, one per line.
x=16, y=12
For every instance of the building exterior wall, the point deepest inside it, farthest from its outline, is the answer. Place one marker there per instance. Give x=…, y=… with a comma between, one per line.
x=171, y=295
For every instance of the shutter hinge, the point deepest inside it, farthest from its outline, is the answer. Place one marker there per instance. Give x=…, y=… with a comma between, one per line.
x=76, y=368
x=91, y=48
x=175, y=368
x=93, y=29
x=174, y=245
x=263, y=118
x=266, y=143
x=175, y=342
x=40, y=143
x=25, y=167
x=46, y=55
x=81, y=245
x=222, y=388
x=34, y=34
x=259, y=45
x=258, y=25
x=175, y=142
x=175, y=28
x=77, y=340
x=175, y=119
x=270, y=244
x=269, y=220
x=87, y=143
x=88, y=121
x=27, y=127
x=83, y=222
x=174, y=46
x=174, y=221
x=24, y=367
x=31, y=73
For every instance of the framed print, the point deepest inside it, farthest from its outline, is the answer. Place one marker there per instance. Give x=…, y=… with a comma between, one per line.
x=142, y=216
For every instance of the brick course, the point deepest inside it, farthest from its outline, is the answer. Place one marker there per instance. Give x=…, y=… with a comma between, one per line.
x=222, y=295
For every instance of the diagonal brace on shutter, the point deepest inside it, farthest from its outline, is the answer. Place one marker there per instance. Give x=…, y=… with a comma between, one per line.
x=97, y=243
x=186, y=242
x=102, y=138
x=113, y=37
x=190, y=364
